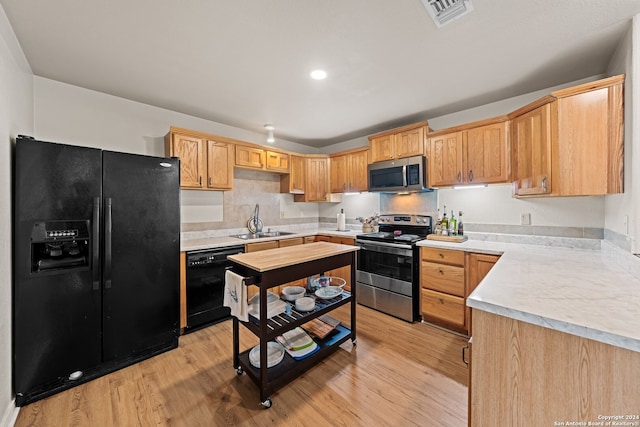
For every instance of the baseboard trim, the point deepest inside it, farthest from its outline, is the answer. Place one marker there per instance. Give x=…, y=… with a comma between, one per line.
x=9, y=415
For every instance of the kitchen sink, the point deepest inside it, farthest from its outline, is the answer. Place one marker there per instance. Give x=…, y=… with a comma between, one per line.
x=261, y=234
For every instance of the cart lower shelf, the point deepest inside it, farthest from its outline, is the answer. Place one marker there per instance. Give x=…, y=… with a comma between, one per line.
x=287, y=370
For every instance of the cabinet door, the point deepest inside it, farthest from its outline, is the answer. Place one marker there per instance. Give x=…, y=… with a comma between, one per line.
x=478, y=265
x=317, y=180
x=249, y=157
x=486, y=154
x=382, y=148
x=219, y=165
x=293, y=182
x=445, y=159
x=338, y=174
x=589, y=149
x=358, y=179
x=531, y=140
x=277, y=162
x=190, y=150
x=409, y=143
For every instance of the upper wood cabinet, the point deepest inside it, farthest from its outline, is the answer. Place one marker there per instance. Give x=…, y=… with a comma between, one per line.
x=476, y=153
x=277, y=162
x=219, y=165
x=398, y=143
x=205, y=164
x=316, y=180
x=293, y=182
x=588, y=144
x=250, y=157
x=445, y=159
x=348, y=171
x=571, y=143
x=253, y=157
x=531, y=149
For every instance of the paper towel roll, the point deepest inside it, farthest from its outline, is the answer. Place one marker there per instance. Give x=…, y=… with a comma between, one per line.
x=342, y=225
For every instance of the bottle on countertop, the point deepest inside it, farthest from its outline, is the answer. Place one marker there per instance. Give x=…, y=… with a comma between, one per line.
x=460, y=226
x=453, y=224
x=438, y=226
x=445, y=222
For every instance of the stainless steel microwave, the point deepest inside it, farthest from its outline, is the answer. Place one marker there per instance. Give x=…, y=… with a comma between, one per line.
x=393, y=176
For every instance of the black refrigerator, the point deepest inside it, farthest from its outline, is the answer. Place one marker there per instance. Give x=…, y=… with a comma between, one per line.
x=96, y=263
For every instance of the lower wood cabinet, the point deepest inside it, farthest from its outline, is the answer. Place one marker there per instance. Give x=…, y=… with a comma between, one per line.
x=447, y=277
x=528, y=375
x=443, y=307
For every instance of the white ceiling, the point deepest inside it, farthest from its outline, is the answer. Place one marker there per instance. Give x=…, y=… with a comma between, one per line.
x=246, y=63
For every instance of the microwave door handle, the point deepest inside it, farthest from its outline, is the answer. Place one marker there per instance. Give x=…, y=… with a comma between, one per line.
x=404, y=176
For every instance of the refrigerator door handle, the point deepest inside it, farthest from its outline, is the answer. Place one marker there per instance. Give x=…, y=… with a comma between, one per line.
x=96, y=243
x=107, y=243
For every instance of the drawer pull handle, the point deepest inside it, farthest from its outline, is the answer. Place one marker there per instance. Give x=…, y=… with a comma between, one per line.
x=441, y=300
x=441, y=255
x=464, y=359
x=440, y=271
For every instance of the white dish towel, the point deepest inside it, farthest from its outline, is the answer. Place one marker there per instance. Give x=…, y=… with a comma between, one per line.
x=235, y=295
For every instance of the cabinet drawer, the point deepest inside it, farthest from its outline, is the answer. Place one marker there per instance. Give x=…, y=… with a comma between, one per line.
x=446, y=256
x=444, y=307
x=260, y=246
x=290, y=242
x=443, y=278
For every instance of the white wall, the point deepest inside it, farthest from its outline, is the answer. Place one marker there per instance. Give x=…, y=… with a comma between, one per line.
x=78, y=116
x=16, y=117
x=622, y=210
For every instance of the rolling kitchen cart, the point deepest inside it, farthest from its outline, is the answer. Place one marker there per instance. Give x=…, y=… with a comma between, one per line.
x=274, y=267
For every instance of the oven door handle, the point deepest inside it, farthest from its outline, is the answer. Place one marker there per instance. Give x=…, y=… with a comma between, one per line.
x=392, y=248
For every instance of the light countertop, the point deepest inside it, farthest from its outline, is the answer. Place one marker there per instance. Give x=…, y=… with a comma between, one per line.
x=594, y=294
x=205, y=241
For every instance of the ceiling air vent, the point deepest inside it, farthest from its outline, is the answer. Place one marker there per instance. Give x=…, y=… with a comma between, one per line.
x=444, y=11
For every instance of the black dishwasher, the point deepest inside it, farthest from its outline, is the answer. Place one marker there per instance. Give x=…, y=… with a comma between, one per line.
x=205, y=286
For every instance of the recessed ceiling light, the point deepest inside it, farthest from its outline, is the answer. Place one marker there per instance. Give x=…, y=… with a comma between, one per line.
x=318, y=74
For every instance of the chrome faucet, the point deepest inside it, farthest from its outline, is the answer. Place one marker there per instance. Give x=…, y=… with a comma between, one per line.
x=254, y=224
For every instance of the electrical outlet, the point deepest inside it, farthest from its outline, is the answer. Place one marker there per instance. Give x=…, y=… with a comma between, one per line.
x=525, y=219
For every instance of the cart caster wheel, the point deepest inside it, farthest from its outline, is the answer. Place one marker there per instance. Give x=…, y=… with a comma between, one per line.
x=239, y=370
x=267, y=403
x=354, y=342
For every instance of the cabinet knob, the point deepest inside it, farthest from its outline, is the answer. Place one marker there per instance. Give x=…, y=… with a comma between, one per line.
x=440, y=271
x=441, y=255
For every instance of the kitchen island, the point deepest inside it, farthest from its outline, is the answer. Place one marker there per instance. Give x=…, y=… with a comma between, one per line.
x=555, y=335
x=273, y=267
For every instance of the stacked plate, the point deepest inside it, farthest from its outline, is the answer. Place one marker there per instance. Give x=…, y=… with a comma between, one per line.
x=275, y=305
x=275, y=354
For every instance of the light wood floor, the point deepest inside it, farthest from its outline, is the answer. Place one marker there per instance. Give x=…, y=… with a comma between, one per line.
x=398, y=374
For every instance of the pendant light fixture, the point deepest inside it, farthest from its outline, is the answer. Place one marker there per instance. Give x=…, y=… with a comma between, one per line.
x=270, y=128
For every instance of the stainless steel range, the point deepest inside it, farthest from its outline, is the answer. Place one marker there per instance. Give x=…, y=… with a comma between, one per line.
x=387, y=274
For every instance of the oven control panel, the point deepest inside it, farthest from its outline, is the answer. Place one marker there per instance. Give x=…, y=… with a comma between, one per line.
x=398, y=219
